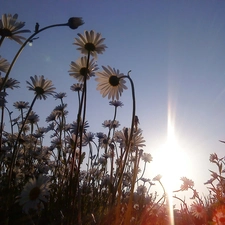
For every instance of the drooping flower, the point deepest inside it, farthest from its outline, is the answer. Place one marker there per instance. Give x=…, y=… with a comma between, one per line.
x=41, y=86
x=79, y=69
x=198, y=210
x=4, y=65
x=91, y=42
x=9, y=28
x=110, y=82
x=75, y=22
x=35, y=192
x=157, y=178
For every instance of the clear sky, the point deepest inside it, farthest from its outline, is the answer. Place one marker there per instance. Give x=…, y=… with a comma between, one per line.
x=176, y=51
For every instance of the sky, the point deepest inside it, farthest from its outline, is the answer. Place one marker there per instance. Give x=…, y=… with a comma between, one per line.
x=175, y=51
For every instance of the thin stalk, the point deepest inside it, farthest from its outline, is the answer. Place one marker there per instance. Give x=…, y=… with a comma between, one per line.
x=15, y=152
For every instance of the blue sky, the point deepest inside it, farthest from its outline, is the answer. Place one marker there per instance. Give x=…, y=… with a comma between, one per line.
x=176, y=52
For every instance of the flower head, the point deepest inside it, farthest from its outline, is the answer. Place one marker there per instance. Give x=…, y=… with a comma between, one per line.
x=90, y=42
x=35, y=192
x=123, y=137
x=110, y=82
x=10, y=83
x=147, y=157
x=76, y=87
x=198, y=210
x=9, y=28
x=41, y=86
x=4, y=65
x=219, y=215
x=75, y=22
x=187, y=183
x=21, y=105
x=79, y=69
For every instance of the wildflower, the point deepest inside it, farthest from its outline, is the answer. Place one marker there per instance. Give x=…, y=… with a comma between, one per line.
x=10, y=83
x=90, y=42
x=75, y=22
x=21, y=105
x=32, y=118
x=41, y=86
x=187, y=183
x=110, y=82
x=88, y=137
x=198, y=210
x=60, y=95
x=35, y=192
x=123, y=136
x=219, y=215
x=116, y=103
x=157, y=178
x=141, y=189
x=9, y=28
x=213, y=157
x=4, y=65
x=76, y=87
x=79, y=69
x=146, y=157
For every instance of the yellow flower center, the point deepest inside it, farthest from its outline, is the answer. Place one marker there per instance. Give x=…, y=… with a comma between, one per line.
x=114, y=80
x=34, y=193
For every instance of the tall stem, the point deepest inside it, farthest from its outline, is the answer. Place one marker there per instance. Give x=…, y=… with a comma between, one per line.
x=15, y=149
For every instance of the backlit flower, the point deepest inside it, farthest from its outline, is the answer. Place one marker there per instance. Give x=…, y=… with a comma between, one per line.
x=35, y=192
x=110, y=82
x=123, y=136
x=10, y=83
x=219, y=216
x=157, y=178
x=79, y=69
x=91, y=42
x=146, y=157
x=187, y=183
x=4, y=65
x=9, y=28
x=198, y=210
x=116, y=103
x=21, y=105
x=41, y=86
x=76, y=87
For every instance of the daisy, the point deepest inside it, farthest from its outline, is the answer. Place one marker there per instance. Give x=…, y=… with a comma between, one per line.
x=21, y=105
x=198, y=210
x=157, y=178
x=219, y=215
x=33, y=118
x=4, y=65
x=9, y=28
x=116, y=103
x=90, y=42
x=110, y=82
x=10, y=83
x=41, y=86
x=60, y=95
x=123, y=136
x=79, y=69
x=187, y=183
x=76, y=87
x=147, y=157
x=35, y=192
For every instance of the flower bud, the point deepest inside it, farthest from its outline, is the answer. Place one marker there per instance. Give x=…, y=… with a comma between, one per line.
x=75, y=22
